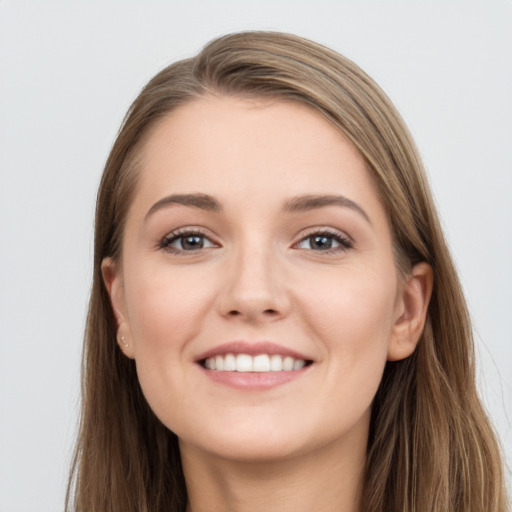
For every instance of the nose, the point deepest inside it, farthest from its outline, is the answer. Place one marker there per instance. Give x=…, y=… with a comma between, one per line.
x=254, y=288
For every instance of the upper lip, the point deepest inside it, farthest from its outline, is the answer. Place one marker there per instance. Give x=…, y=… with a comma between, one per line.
x=252, y=349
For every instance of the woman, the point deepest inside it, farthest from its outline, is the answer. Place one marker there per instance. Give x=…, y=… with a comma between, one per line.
x=275, y=321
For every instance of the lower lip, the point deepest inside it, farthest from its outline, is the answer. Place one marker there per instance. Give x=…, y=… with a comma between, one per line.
x=254, y=381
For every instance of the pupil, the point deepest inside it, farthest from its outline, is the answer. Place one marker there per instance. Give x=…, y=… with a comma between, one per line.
x=192, y=242
x=320, y=242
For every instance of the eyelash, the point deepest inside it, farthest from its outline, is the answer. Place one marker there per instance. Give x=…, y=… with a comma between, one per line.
x=344, y=242
x=182, y=233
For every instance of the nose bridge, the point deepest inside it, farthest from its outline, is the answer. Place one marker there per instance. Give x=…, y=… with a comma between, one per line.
x=252, y=285
x=252, y=270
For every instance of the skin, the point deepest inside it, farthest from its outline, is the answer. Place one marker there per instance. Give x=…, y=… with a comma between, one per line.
x=300, y=445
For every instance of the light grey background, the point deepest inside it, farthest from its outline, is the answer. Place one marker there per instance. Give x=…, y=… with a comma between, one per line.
x=69, y=70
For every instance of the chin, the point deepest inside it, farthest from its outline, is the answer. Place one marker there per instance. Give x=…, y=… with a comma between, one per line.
x=252, y=447
x=261, y=441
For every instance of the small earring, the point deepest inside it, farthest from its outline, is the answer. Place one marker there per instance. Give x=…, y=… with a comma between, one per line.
x=123, y=341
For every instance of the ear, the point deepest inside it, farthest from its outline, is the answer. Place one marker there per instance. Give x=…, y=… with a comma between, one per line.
x=411, y=312
x=113, y=279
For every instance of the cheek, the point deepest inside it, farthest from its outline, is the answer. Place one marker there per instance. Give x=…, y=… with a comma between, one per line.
x=353, y=307
x=166, y=310
x=351, y=315
x=166, y=307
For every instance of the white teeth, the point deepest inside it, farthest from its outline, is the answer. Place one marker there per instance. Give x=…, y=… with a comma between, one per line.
x=288, y=364
x=276, y=363
x=259, y=363
x=298, y=364
x=243, y=363
x=230, y=363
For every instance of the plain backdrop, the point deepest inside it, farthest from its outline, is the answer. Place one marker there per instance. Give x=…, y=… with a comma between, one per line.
x=68, y=72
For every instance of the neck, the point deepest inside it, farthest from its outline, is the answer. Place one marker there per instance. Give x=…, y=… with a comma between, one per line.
x=328, y=479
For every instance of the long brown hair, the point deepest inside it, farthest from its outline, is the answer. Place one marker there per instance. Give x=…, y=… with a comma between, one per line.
x=431, y=447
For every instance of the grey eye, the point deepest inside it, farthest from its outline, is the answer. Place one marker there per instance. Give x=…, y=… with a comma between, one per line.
x=186, y=242
x=319, y=242
x=324, y=242
x=191, y=242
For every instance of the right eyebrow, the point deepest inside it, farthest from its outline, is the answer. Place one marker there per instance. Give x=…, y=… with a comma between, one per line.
x=200, y=201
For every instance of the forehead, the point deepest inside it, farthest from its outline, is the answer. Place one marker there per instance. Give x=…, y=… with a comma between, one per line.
x=239, y=149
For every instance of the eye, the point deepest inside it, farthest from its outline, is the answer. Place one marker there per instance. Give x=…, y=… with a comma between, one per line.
x=325, y=242
x=186, y=241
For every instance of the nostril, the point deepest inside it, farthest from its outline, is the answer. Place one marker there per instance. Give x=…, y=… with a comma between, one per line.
x=254, y=313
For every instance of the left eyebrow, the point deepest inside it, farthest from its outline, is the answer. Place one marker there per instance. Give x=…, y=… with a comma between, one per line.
x=199, y=201
x=313, y=202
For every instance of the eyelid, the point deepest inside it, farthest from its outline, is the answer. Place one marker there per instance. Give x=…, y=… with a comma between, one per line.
x=165, y=241
x=346, y=242
x=313, y=230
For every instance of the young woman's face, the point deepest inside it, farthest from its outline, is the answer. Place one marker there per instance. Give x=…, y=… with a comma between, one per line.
x=257, y=291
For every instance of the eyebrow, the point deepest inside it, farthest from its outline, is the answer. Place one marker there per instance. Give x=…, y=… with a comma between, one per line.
x=295, y=204
x=313, y=202
x=199, y=201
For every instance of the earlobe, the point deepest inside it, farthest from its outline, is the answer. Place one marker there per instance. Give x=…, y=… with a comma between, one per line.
x=114, y=285
x=414, y=301
x=123, y=342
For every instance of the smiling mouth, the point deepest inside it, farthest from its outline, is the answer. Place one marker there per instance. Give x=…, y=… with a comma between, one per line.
x=257, y=364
